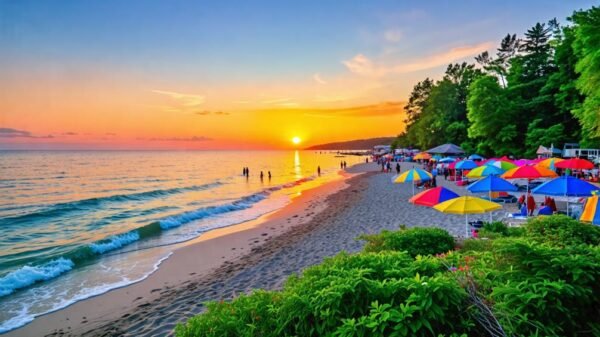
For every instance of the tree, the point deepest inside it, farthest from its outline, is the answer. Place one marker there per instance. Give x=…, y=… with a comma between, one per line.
x=586, y=46
x=491, y=118
x=537, y=135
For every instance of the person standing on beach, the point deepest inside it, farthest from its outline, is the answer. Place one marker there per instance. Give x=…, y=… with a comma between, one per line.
x=319, y=170
x=398, y=168
x=341, y=165
x=261, y=175
x=269, y=175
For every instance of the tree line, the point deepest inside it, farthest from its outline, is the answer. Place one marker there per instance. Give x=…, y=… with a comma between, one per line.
x=541, y=88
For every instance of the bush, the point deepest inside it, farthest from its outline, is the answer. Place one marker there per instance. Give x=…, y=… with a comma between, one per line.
x=415, y=241
x=561, y=230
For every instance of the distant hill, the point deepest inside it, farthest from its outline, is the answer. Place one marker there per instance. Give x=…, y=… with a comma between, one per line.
x=359, y=144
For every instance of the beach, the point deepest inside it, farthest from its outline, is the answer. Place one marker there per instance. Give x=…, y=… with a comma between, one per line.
x=261, y=253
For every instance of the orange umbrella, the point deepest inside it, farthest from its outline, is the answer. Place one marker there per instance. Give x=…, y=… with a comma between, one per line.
x=422, y=155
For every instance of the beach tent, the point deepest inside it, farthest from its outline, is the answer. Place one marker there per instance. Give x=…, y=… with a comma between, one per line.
x=447, y=149
x=413, y=175
x=567, y=186
x=433, y=196
x=591, y=210
x=484, y=171
x=467, y=205
x=491, y=184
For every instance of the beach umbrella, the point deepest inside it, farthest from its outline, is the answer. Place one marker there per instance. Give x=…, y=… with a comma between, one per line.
x=467, y=205
x=466, y=165
x=491, y=184
x=484, y=171
x=447, y=160
x=433, y=196
x=436, y=157
x=422, y=155
x=549, y=163
x=475, y=157
x=591, y=210
x=575, y=164
x=522, y=162
x=529, y=172
x=413, y=175
x=503, y=164
x=567, y=186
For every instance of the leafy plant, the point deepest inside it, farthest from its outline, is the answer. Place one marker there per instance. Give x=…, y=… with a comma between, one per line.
x=561, y=230
x=415, y=241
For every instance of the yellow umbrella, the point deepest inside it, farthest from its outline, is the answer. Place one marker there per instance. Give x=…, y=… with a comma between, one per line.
x=422, y=155
x=549, y=162
x=467, y=205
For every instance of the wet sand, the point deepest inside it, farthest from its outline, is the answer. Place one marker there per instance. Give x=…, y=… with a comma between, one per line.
x=258, y=254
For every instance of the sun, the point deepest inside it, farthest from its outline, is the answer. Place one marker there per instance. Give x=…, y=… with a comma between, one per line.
x=296, y=140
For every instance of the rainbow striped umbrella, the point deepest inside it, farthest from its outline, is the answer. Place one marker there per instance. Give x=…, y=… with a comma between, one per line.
x=591, y=210
x=413, y=175
x=433, y=196
x=549, y=163
x=484, y=171
x=505, y=165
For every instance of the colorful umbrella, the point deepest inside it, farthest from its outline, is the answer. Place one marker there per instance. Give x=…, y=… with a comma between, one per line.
x=484, y=171
x=422, y=155
x=446, y=160
x=591, y=210
x=466, y=165
x=575, y=164
x=529, y=172
x=467, y=205
x=549, y=163
x=567, y=186
x=413, y=175
x=436, y=157
x=491, y=184
x=433, y=196
x=475, y=157
x=505, y=165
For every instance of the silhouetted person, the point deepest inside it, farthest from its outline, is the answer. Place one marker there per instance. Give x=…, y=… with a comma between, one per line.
x=342, y=165
x=319, y=170
x=398, y=168
x=247, y=172
x=269, y=175
x=261, y=175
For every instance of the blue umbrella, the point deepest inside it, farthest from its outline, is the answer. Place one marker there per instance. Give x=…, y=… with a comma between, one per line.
x=491, y=184
x=475, y=157
x=567, y=186
x=446, y=160
x=437, y=157
x=466, y=165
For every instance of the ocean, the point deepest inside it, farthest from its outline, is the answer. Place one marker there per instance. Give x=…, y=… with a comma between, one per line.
x=75, y=224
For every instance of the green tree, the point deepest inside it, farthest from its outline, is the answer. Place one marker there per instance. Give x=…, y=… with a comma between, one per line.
x=491, y=118
x=586, y=46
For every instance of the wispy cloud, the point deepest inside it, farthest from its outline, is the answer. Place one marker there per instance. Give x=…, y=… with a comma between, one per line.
x=181, y=139
x=373, y=110
x=392, y=35
x=207, y=112
x=183, y=103
x=318, y=79
x=14, y=133
x=69, y=133
x=362, y=65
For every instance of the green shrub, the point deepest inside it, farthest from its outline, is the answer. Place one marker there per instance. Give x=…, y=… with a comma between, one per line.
x=561, y=230
x=415, y=241
x=476, y=245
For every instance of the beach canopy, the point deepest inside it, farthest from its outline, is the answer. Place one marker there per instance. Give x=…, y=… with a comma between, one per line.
x=566, y=186
x=466, y=165
x=447, y=149
x=575, y=164
x=491, y=184
x=433, y=196
x=467, y=205
x=591, y=210
x=503, y=164
x=446, y=160
x=415, y=174
x=529, y=172
x=484, y=171
x=475, y=157
x=549, y=163
x=422, y=155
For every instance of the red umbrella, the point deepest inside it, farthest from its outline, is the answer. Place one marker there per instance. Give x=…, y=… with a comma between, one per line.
x=575, y=164
x=433, y=196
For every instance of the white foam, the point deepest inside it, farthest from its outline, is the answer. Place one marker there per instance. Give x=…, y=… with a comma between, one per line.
x=115, y=242
x=28, y=275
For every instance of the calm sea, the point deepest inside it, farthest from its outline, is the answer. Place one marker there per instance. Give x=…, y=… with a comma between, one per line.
x=77, y=224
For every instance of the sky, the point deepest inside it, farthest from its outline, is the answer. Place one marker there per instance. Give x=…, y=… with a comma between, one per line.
x=175, y=74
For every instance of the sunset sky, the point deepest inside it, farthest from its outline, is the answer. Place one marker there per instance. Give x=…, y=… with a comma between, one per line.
x=231, y=74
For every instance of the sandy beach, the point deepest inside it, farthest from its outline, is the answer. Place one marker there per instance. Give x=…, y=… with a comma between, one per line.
x=257, y=254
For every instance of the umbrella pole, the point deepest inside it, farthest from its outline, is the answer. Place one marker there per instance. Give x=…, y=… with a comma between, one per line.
x=491, y=217
x=466, y=225
x=527, y=199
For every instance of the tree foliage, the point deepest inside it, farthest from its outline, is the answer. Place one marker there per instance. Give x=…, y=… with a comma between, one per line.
x=539, y=89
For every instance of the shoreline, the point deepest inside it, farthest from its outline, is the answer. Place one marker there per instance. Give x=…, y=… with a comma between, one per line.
x=218, y=248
